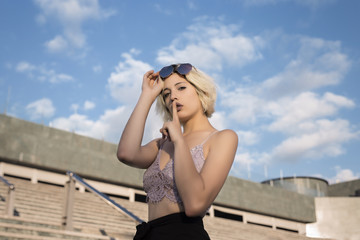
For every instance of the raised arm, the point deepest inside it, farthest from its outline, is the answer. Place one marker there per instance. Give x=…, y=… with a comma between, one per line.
x=130, y=150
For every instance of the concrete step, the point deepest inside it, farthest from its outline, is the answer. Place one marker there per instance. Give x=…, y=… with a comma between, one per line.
x=25, y=231
x=19, y=236
x=28, y=222
x=55, y=197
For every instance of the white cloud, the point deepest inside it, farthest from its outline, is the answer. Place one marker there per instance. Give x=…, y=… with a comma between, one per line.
x=343, y=175
x=338, y=100
x=74, y=107
x=244, y=159
x=245, y=107
x=191, y=5
x=312, y=4
x=124, y=85
x=318, y=63
x=25, y=67
x=42, y=73
x=325, y=139
x=57, y=44
x=242, y=164
x=42, y=108
x=109, y=126
x=292, y=114
x=71, y=14
x=58, y=78
x=248, y=138
x=162, y=9
x=301, y=118
x=288, y=104
x=125, y=82
x=218, y=120
x=88, y=105
x=209, y=44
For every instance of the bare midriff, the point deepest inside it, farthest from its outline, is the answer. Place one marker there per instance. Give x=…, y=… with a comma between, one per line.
x=163, y=208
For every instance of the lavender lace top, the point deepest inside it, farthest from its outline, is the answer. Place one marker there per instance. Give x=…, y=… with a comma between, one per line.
x=161, y=183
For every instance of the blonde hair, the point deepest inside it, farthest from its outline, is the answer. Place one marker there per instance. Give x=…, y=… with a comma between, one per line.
x=205, y=88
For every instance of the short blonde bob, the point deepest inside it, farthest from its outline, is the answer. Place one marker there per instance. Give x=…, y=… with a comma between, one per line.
x=205, y=88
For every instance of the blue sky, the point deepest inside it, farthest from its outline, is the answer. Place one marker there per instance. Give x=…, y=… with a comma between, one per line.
x=287, y=73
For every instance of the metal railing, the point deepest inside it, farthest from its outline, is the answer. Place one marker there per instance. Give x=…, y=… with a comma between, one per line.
x=67, y=219
x=9, y=208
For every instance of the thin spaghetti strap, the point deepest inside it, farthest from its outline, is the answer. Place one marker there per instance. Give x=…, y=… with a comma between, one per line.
x=208, y=137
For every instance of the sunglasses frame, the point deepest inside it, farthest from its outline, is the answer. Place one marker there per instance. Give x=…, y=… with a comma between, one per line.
x=168, y=70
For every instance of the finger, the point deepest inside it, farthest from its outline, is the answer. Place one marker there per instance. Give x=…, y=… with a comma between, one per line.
x=175, y=116
x=164, y=133
x=153, y=77
x=149, y=73
x=156, y=74
x=147, y=77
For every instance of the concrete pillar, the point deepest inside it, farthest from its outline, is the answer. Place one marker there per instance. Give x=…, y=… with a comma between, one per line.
x=67, y=218
x=212, y=211
x=131, y=195
x=2, y=168
x=9, y=209
x=34, y=176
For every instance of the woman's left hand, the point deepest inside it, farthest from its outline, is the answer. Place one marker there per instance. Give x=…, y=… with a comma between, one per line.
x=172, y=129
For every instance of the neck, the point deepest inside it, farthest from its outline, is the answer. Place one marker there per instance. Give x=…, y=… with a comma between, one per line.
x=197, y=123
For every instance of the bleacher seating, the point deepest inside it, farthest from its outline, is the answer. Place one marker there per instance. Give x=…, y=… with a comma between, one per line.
x=38, y=215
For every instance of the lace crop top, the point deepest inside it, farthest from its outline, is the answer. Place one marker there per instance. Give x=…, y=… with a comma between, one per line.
x=161, y=183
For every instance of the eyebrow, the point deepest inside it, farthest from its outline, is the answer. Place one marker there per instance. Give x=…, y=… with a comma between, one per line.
x=174, y=85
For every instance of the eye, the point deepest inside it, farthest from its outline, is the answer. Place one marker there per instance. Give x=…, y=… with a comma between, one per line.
x=181, y=88
x=165, y=95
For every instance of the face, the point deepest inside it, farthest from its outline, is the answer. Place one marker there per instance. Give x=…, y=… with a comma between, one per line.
x=178, y=89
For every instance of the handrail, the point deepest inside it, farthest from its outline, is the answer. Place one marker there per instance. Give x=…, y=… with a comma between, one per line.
x=104, y=197
x=9, y=208
x=10, y=185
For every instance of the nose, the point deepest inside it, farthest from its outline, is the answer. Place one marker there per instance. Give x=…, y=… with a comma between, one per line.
x=173, y=96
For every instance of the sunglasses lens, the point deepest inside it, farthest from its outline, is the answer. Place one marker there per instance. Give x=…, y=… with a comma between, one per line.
x=184, y=68
x=166, y=71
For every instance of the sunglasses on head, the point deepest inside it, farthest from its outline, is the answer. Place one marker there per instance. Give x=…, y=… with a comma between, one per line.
x=182, y=69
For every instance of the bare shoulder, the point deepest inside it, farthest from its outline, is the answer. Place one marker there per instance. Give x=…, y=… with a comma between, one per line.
x=222, y=150
x=226, y=135
x=224, y=141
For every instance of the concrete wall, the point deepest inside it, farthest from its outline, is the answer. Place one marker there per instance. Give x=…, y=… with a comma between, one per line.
x=345, y=189
x=26, y=143
x=337, y=218
x=273, y=201
x=44, y=147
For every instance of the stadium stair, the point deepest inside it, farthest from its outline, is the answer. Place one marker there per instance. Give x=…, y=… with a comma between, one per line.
x=38, y=214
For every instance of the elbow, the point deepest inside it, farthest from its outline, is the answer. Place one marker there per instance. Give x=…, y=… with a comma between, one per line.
x=123, y=156
x=195, y=209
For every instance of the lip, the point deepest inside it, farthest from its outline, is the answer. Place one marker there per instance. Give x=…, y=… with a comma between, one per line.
x=178, y=106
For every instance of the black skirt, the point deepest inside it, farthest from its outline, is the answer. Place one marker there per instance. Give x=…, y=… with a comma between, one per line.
x=175, y=226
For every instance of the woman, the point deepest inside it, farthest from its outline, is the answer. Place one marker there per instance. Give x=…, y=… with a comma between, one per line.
x=187, y=167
